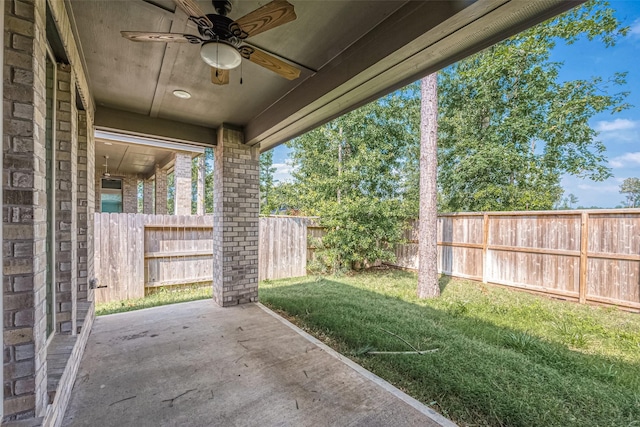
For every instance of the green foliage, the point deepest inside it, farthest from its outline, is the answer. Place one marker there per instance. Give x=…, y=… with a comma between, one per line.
x=566, y=202
x=171, y=193
x=266, y=183
x=140, y=195
x=360, y=230
x=352, y=173
x=509, y=129
x=505, y=358
x=208, y=182
x=631, y=187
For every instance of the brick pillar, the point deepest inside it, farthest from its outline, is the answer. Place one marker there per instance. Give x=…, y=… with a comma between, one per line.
x=24, y=209
x=130, y=194
x=182, y=180
x=147, y=196
x=66, y=203
x=91, y=201
x=235, y=220
x=83, y=207
x=200, y=187
x=161, y=191
x=97, y=182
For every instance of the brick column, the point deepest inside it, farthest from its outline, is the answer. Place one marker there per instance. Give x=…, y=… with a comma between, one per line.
x=24, y=209
x=182, y=180
x=147, y=196
x=200, y=187
x=161, y=191
x=66, y=204
x=235, y=220
x=130, y=194
x=91, y=201
x=83, y=207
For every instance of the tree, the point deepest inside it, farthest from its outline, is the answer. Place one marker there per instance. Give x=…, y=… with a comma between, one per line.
x=351, y=173
x=428, y=250
x=631, y=187
x=566, y=202
x=171, y=193
x=509, y=129
x=266, y=182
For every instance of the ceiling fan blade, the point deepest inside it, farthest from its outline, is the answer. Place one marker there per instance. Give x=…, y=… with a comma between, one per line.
x=269, y=16
x=191, y=8
x=141, y=36
x=219, y=77
x=274, y=64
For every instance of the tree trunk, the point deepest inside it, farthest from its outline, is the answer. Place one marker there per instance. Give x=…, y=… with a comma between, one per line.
x=427, y=241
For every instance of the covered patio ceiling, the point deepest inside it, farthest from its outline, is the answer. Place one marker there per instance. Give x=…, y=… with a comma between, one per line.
x=349, y=53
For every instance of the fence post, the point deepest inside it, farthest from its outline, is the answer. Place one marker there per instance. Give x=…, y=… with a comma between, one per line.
x=485, y=243
x=584, y=221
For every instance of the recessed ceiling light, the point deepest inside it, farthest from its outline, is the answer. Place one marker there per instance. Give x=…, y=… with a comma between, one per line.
x=182, y=94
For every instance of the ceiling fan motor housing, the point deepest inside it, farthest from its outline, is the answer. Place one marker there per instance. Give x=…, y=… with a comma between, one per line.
x=221, y=28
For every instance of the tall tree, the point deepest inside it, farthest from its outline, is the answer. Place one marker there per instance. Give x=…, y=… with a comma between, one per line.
x=631, y=187
x=509, y=128
x=266, y=182
x=358, y=159
x=428, y=250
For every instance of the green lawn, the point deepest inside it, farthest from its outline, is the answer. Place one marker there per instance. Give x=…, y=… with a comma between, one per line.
x=505, y=358
x=161, y=296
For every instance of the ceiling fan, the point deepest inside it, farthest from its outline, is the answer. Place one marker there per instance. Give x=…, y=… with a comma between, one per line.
x=106, y=173
x=222, y=39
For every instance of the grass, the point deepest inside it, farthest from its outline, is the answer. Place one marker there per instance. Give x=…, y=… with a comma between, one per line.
x=161, y=296
x=505, y=358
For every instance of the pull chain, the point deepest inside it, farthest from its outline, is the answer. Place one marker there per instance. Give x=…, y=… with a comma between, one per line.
x=217, y=50
x=240, y=71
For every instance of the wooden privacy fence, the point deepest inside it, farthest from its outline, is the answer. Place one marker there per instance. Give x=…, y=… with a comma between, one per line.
x=587, y=256
x=134, y=252
x=282, y=251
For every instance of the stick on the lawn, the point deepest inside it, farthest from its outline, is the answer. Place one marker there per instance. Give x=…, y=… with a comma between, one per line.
x=403, y=352
x=402, y=339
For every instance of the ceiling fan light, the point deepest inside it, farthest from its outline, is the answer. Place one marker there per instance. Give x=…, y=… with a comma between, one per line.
x=220, y=55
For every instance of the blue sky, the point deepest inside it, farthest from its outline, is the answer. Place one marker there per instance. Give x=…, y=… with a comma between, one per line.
x=620, y=132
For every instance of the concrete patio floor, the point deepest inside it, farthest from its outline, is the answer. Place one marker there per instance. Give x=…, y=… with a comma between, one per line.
x=196, y=364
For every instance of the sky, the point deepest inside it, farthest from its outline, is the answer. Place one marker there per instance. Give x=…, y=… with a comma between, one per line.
x=620, y=132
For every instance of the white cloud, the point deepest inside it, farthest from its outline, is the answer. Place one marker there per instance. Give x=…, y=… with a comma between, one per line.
x=625, y=159
x=283, y=171
x=635, y=28
x=601, y=188
x=615, y=125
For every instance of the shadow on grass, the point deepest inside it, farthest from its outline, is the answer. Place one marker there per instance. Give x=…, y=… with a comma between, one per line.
x=482, y=374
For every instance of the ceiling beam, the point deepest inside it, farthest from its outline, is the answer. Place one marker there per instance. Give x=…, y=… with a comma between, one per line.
x=148, y=142
x=418, y=39
x=119, y=121
x=178, y=25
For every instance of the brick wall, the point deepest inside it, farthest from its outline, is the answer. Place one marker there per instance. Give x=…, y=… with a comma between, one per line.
x=83, y=209
x=235, y=226
x=129, y=191
x=66, y=222
x=182, y=179
x=130, y=194
x=24, y=209
x=161, y=191
x=148, y=189
x=91, y=197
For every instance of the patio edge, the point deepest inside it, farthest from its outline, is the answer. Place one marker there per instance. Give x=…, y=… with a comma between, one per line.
x=414, y=403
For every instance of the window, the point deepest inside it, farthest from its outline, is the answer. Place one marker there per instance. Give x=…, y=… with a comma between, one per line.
x=111, y=195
